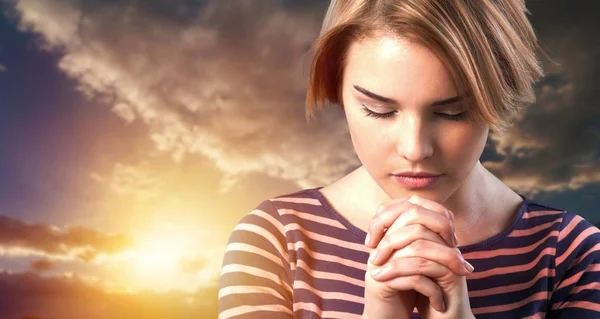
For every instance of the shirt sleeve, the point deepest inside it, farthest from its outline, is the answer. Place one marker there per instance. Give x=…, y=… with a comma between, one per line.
x=255, y=274
x=577, y=270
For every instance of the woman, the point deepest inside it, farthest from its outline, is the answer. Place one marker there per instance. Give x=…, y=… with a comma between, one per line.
x=421, y=229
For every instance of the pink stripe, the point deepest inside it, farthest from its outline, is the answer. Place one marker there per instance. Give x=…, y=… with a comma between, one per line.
x=591, y=286
x=511, y=306
x=578, y=304
x=542, y=213
x=508, y=251
x=275, y=222
x=539, y=315
x=325, y=257
x=254, y=250
x=297, y=200
x=329, y=275
x=327, y=239
x=576, y=243
x=267, y=235
x=323, y=314
x=533, y=230
x=582, y=257
x=511, y=269
x=569, y=228
x=249, y=309
x=512, y=288
x=298, y=284
x=311, y=217
x=575, y=278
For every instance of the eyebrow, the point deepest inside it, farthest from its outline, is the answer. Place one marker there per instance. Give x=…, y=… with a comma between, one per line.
x=388, y=100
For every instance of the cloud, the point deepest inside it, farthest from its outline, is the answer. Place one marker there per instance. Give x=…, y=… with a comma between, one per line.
x=21, y=238
x=29, y=297
x=555, y=145
x=193, y=265
x=226, y=80
x=40, y=265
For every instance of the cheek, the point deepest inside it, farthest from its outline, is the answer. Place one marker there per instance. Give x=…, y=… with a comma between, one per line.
x=465, y=146
x=367, y=137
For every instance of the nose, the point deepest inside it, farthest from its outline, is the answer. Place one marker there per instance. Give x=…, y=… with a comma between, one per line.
x=415, y=142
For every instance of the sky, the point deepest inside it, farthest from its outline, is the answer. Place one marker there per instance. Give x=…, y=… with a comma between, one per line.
x=134, y=135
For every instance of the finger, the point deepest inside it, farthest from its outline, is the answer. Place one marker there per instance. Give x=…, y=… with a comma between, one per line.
x=400, y=238
x=415, y=214
x=431, y=205
x=410, y=266
x=442, y=254
x=422, y=285
x=435, y=207
x=383, y=219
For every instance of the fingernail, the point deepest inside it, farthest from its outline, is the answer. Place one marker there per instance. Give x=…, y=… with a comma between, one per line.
x=375, y=272
x=373, y=257
x=469, y=267
x=367, y=239
x=455, y=240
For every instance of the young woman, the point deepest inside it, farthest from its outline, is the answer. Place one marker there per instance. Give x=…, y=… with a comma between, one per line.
x=421, y=229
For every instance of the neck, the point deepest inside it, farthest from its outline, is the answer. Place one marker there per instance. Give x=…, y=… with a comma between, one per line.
x=471, y=202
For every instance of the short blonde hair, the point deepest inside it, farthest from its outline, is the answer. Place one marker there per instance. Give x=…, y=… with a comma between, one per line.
x=488, y=46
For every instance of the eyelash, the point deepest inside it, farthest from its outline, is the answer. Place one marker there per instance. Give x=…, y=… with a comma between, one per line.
x=454, y=117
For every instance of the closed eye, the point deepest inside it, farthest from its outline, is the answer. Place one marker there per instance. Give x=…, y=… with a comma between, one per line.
x=376, y=115
x=454, y=117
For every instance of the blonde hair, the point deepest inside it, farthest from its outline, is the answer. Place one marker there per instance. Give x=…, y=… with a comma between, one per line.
x=488, y=46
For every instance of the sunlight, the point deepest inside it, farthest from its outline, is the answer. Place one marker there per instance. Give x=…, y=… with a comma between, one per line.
x=160, y=255
x=154, y=261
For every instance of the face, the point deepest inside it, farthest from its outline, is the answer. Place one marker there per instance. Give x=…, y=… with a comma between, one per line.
x=421, y=127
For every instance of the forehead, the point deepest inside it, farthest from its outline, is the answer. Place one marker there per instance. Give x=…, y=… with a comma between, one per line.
x=399, y=68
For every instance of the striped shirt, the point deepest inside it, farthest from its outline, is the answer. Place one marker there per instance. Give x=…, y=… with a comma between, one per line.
x=294, y=256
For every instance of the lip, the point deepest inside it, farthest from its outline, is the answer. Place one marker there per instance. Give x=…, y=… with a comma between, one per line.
x=414, y=180
x=417, y=174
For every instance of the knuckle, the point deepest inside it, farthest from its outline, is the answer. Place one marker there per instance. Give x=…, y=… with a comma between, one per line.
x=459, y=257
x=394, y=264
x=448, y=225
x=420, y=229
x=414, y=199
x=380, y=209
x=416, y=280
x=448, y=213
x=421, y=264
x=419, y=244
x=375, y=223
x=385, y=243
x=413, y=211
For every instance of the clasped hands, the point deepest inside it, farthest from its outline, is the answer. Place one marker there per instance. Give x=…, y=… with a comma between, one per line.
x=415, y=262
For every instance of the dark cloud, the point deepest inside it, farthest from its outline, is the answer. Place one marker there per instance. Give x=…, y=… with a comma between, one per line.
x=28, y=294
x=555, y=146
x=40, y=265
x=76, y=241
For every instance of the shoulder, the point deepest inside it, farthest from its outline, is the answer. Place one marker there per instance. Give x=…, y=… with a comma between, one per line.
x=574, y=234
x=565, y=221
x=269, y=214
x=577, y=241
x=577, y=236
